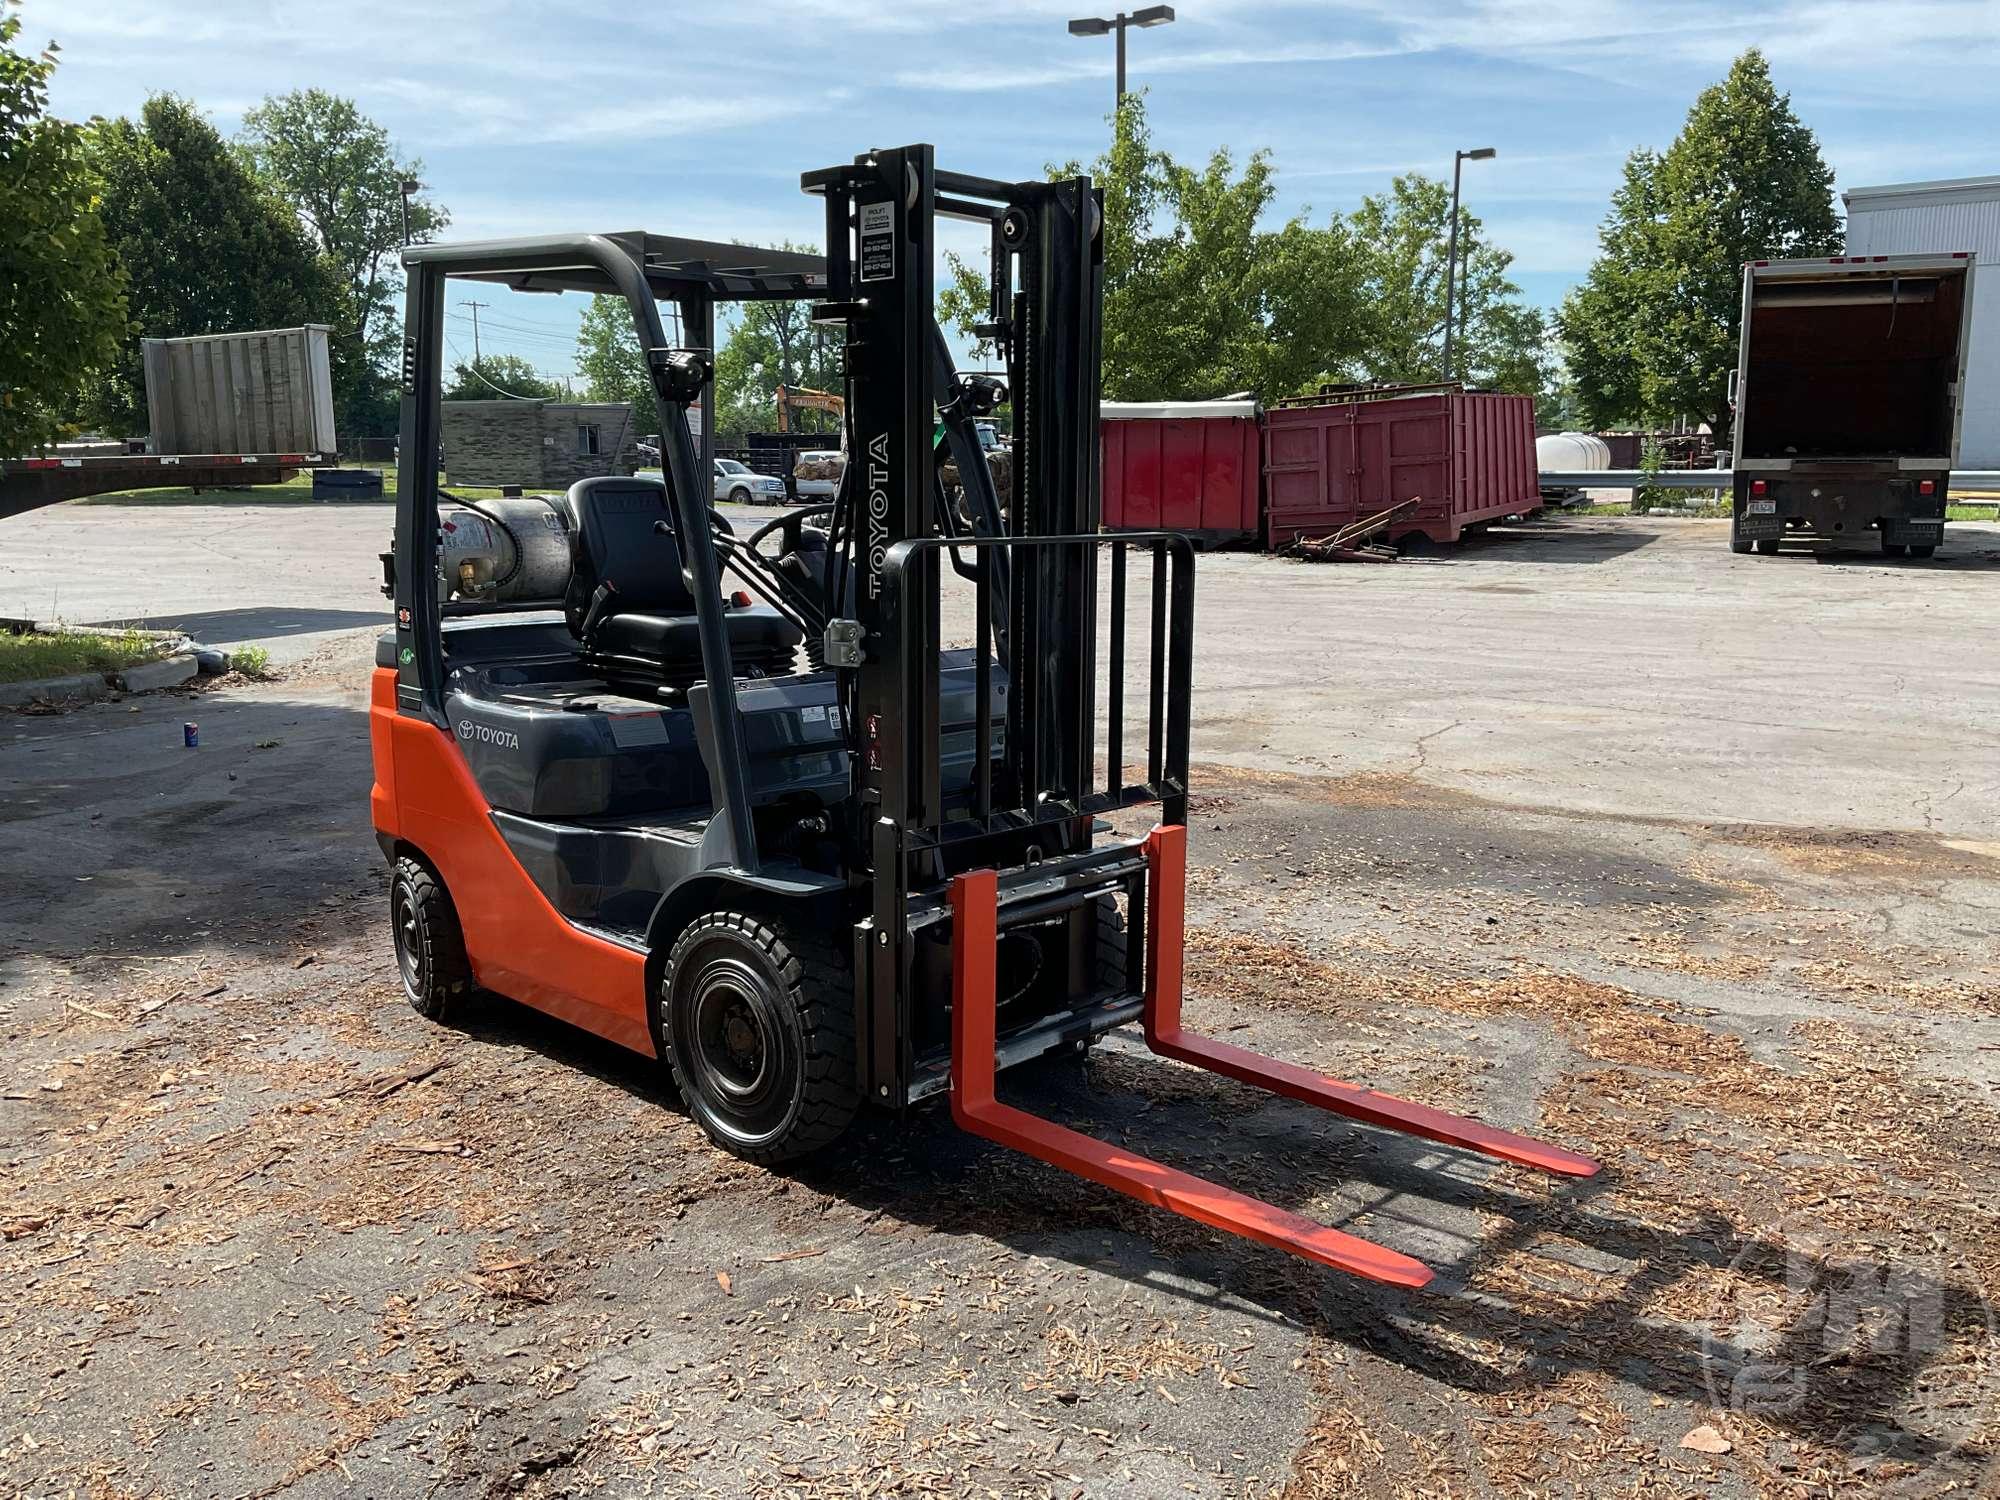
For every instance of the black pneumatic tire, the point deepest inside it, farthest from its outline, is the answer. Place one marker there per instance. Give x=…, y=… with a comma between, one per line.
x=1925, y=549
x=1736, y=545
x=1768, y=548
x=430, y=945
x=756, y=1021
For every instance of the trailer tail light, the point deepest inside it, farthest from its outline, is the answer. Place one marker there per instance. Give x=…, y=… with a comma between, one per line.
x=1756, y=486
x=1927, y=487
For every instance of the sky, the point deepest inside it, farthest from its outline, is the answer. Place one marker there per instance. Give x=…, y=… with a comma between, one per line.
x=698, y=119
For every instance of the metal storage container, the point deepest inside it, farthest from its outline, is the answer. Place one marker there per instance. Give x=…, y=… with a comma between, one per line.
x=1329, y=460
x=1187, y=466
x=269, y=391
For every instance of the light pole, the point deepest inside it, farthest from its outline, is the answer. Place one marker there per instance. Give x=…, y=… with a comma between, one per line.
x=409, y=185
x=1152, y=15
x=1459, y=159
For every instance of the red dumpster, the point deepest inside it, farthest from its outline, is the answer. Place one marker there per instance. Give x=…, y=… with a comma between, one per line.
x=1332, y=459
x=1190, y=466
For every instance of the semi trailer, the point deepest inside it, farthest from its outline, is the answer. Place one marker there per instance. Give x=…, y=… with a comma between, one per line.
x=1847, y=397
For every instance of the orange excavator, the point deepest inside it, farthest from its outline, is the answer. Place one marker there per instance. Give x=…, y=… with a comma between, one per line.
x=805, y=398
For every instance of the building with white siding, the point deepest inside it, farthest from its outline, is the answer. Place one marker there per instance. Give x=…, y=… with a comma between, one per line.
x=1941, y=217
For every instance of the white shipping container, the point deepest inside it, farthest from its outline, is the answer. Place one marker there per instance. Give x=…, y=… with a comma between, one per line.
x=1929, y=218
x=267, y=391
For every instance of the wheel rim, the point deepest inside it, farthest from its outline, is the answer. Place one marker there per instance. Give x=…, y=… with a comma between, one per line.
x=409, y=939
x=735, y=1048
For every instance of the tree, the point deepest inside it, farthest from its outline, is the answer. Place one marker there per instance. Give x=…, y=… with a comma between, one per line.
x=340, y=172
x=772, y=344
x=62, y=307
x=205, y=247
x=495, y=377
x=1198, y=300
x=1651, y=335
x=609, y=359
x=1404, y=235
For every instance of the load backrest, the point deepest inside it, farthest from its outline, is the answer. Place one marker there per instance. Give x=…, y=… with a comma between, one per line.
x=623, y=538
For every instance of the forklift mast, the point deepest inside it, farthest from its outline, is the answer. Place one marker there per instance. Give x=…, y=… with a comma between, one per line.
x=1032, y=559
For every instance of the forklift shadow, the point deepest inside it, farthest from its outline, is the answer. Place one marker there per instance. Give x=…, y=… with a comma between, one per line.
x=1538, y=1284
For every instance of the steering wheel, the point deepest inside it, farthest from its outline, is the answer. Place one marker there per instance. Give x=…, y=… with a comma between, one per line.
x=791, y=523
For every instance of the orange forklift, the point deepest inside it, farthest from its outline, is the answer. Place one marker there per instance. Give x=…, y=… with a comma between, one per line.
x=817, y=814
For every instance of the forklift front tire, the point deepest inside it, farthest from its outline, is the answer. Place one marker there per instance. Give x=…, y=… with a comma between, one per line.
x=756, y=1022
x=430, y=945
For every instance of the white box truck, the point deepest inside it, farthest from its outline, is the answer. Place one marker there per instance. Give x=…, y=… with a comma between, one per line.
x=1848, y=397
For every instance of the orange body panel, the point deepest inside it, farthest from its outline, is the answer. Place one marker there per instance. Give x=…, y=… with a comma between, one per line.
x=520, y=946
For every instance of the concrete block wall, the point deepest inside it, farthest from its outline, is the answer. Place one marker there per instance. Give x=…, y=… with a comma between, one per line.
x=537, y=444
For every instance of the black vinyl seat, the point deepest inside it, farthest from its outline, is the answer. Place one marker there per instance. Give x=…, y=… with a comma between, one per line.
x=628, y=602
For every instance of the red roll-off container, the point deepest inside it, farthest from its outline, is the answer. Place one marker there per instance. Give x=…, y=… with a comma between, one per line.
x=1336, y=458
x=1189, y=466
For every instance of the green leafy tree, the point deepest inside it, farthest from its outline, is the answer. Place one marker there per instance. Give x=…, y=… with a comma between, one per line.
x=495, y=377
x=773, y=344
x=609, y=359
x=1198, y=300
x=206, y=248
x=1651, y=335
x=62, y=308
x=340, y=172
x=1404, y=236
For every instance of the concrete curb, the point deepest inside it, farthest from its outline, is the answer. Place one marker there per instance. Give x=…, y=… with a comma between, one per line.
x=146, y=677
x=150, y=676
x=54, y=690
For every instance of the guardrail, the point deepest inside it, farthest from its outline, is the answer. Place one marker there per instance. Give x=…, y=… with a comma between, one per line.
x=1707, y=479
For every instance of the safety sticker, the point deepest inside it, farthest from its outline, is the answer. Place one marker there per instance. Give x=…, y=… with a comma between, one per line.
x=878, y=242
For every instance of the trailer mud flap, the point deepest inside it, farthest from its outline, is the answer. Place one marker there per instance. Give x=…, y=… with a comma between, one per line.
x=974, y=904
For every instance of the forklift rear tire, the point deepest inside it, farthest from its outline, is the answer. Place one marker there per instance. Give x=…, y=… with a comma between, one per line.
x=1768, y=548
x=756, y=1021
x=430, y=945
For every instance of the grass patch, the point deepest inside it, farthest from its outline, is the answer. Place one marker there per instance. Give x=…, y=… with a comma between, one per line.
x=31, y=655
x=294, y=491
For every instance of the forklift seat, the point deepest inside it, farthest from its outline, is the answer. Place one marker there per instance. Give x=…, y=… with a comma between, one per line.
x=628, y=602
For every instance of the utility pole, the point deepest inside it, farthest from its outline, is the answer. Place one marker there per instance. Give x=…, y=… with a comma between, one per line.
x=1459, y=159
x=475, y=327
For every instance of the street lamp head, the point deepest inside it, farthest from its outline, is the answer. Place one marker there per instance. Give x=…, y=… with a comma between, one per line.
x=411, y=185
x=1089, y=26
x=1484, y=153
x=1153, y=15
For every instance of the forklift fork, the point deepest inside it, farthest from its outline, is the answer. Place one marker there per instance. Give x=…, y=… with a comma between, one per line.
x=975, y=921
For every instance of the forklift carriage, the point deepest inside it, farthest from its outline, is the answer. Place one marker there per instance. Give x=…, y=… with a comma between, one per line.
x=614, y=792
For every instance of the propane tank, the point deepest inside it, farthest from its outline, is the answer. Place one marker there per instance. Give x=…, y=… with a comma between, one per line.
x=500, y=551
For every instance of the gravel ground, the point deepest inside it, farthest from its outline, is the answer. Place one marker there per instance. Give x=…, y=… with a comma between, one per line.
x=1682, y=859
